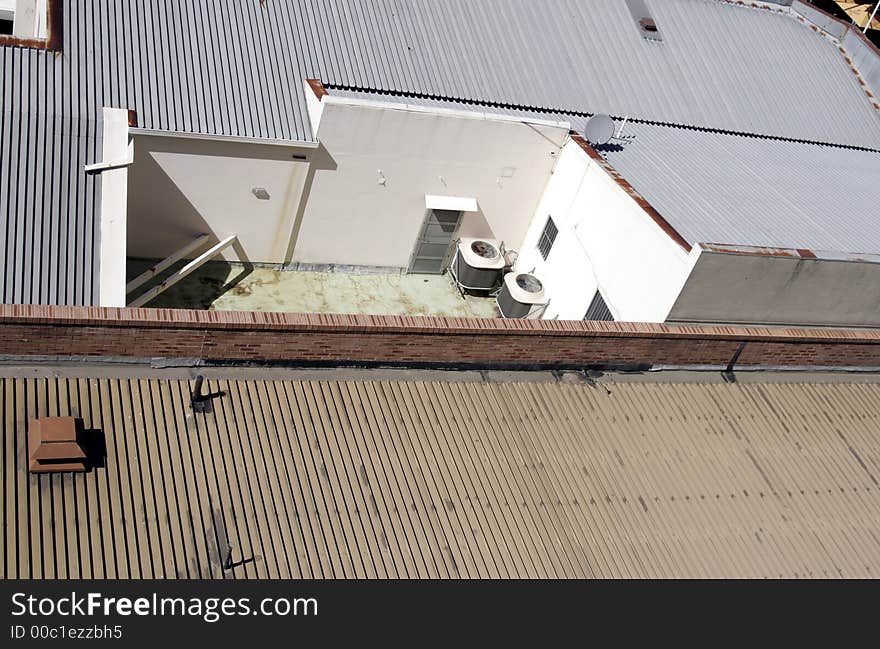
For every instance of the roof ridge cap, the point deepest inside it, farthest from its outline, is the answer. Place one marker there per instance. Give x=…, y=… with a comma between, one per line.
x=564, y=111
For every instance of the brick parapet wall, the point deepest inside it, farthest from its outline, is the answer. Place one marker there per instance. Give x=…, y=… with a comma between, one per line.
x=27, y=330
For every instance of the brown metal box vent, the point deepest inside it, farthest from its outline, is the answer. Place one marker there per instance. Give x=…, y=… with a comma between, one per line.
x=648, y=25
x=55, y=444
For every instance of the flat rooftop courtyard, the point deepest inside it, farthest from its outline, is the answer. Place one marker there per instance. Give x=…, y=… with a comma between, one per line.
x=228, y=286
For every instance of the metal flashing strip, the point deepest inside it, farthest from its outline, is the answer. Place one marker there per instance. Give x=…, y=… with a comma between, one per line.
x=437, y=110
x=791, y=253
x=303, y=144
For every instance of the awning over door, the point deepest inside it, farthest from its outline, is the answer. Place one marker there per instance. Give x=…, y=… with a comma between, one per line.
x=451, y=203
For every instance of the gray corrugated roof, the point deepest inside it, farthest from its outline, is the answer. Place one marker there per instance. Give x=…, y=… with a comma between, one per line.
x=719, y=65
x=236, y=67
x=47, y=205
x=717, y=188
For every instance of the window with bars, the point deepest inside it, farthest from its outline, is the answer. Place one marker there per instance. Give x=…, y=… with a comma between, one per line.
x=548, y=236
x=7, y=17
x=598, y=309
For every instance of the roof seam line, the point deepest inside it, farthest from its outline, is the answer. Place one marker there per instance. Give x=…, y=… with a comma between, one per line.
x=564, y=111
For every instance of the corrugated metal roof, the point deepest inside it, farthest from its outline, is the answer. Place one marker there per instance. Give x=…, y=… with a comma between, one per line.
x=236, y=67
x=47, y=204
x=449, y=479
x=716, y=188
x=719, y=65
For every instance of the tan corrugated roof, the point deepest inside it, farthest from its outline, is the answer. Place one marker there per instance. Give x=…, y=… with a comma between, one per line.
x=448, y=479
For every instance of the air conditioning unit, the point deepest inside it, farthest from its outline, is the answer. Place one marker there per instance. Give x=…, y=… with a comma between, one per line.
x=520, y=294
x=478, y=263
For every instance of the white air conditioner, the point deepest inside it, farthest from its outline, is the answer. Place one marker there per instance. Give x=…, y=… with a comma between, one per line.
x=520, y=294
x=478, y=263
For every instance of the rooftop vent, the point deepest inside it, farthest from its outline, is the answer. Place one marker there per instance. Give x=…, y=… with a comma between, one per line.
x=55, y=445
x=644, y=20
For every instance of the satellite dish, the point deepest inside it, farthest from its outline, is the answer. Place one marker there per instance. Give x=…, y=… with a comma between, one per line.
x=599, y=130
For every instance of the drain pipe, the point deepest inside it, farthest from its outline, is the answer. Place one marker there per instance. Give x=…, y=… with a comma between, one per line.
x=728, y=374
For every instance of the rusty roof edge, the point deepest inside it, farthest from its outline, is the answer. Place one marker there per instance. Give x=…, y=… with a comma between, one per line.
x=318, y=88
x=791, y=253
x=847, y=28
x=624, y=184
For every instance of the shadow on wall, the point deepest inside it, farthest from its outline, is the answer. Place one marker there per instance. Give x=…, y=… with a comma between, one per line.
x=161, y=219
x=180, y=188
x=321, y=160
x=475, y=226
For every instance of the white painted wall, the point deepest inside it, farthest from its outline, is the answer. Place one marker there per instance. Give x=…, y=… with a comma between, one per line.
x=114, y=196
x=41, y=15
x=605, y=240
x=759, y=289
x=183, y=187
x=314, y=107
x=350, y=218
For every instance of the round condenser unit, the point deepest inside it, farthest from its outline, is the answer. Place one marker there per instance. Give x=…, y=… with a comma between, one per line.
x=479, y=263
x=520, y=293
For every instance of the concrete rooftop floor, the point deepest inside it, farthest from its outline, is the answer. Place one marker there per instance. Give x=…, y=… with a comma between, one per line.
x=225, y=286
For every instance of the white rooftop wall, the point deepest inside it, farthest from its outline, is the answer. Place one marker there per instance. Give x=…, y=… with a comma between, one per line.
x=605, y=241
x=180, y=188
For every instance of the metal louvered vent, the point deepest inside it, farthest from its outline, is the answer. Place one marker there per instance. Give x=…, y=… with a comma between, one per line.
x=548, y=237
x=598, y=309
